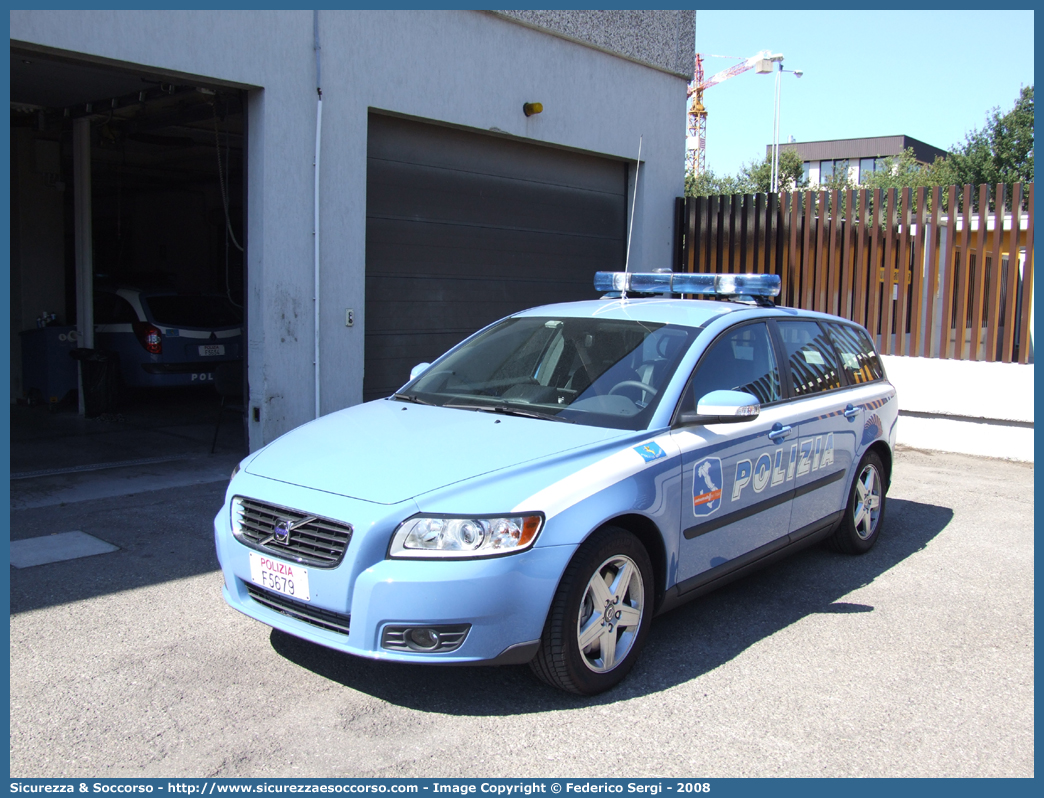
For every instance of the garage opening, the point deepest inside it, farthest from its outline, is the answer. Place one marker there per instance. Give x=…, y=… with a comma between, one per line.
x=463, y=228
x=166, y=172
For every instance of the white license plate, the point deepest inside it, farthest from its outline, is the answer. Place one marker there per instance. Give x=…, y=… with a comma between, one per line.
x=282, y=577
x=212, y=349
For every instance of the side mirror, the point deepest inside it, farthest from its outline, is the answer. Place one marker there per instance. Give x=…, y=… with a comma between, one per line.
x=419, y=369
x=723, y=407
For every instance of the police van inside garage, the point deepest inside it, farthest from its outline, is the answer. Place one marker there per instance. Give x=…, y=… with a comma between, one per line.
x=127, y=247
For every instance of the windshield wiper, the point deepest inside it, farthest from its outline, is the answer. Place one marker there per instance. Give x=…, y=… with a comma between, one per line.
x=509, y=410
x=405, y=397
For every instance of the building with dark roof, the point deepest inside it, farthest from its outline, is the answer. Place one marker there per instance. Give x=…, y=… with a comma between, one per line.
x=863, y=156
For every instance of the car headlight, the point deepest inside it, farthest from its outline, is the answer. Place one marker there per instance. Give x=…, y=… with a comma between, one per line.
x=458, y=537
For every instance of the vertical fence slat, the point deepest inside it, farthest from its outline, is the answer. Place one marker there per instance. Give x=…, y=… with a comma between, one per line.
x=724, y=226
x=808, y=263
x=848, y=270
x=819, y=218
x=731, y=263
x=713, y=232
x=750, y=230
x=1012, y=281
x=874, y=274
x=931, y=257
x=771, y=228
x=887, y=281
x=917, y=275
x=761, y=245
x=1027, y=288
x=978, y=276
x=993, y=289
x=948, y=261
x=794, y=264
x=692, y=232
x=736, y=259
x=833, y=254
x=964, y=274
x=679, y=232
x=902, y=272
x=862, y=257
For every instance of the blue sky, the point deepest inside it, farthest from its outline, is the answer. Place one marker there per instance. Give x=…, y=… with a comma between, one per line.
x=933, y=75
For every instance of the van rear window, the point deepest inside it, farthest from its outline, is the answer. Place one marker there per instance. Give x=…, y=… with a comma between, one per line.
x=180, y=310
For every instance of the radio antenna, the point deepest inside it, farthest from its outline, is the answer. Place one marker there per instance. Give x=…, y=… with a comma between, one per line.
x=630, y=229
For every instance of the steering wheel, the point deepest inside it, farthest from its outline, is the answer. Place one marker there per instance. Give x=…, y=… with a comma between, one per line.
x=632, y=384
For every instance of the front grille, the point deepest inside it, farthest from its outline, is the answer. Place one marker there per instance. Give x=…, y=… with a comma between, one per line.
x=314, y=541
x=324, y=619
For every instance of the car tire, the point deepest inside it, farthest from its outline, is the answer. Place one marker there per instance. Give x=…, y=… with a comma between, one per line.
x=601, y=610
x=864, y=513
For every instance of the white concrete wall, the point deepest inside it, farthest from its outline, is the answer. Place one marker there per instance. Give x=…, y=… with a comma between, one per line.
x=464, y=68
x=964, y=406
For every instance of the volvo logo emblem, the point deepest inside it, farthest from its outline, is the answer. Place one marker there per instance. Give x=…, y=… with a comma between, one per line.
x=282, y=529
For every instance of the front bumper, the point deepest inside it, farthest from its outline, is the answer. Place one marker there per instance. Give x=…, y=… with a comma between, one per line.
x=504, y=599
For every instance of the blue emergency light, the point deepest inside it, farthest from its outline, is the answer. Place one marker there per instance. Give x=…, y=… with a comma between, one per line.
x=754, y=285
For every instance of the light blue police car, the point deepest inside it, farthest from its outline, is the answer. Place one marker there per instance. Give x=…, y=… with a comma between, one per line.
x=546, y=487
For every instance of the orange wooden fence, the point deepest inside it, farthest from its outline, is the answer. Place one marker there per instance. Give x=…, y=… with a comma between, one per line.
x=930, y=272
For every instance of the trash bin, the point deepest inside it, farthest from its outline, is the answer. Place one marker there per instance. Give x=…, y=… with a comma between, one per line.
x=47, y=372
x=100, y=369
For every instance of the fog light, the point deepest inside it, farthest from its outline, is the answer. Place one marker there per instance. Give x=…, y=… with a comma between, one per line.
x=424, y=638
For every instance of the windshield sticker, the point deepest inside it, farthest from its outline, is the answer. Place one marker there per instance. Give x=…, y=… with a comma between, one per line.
x=706, y=486
x=650, y=451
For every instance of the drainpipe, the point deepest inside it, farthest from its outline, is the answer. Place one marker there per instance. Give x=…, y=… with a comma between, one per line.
x=84, y=243
x=318, y=139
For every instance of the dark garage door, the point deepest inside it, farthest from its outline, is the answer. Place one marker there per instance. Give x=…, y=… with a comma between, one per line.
x=463, y=228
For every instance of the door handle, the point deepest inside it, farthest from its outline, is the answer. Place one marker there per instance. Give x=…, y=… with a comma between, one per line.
x=779, y=432
x=852, y=412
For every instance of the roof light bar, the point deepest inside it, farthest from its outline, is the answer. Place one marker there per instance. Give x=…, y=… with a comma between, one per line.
x=685, y=283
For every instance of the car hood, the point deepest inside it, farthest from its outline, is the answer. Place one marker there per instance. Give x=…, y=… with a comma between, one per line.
x=388, y=451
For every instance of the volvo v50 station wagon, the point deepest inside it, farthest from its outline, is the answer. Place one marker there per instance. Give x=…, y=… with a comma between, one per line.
x=542, y=490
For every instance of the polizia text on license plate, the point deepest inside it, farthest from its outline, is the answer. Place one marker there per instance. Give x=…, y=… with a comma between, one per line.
x=282, y=577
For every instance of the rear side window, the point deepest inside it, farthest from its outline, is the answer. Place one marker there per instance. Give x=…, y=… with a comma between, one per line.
x=740, y=360
x=810, y=356
x=856, y=350
x=112, y=309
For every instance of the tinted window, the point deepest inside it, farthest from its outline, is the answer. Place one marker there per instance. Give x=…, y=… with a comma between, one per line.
x=740, y=360
x=856, y=350
x=810, y=357
x=112, y=309
x=176, y=310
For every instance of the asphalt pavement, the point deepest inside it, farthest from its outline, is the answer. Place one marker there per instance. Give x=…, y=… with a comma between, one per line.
x=913, y=660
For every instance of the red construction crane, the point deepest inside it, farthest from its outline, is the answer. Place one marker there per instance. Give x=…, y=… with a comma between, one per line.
x=697, y=141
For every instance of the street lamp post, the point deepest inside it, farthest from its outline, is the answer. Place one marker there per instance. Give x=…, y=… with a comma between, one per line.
x=775, y=125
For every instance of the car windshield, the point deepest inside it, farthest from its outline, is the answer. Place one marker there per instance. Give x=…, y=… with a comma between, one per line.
x=602, y=372
x=200, y=310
